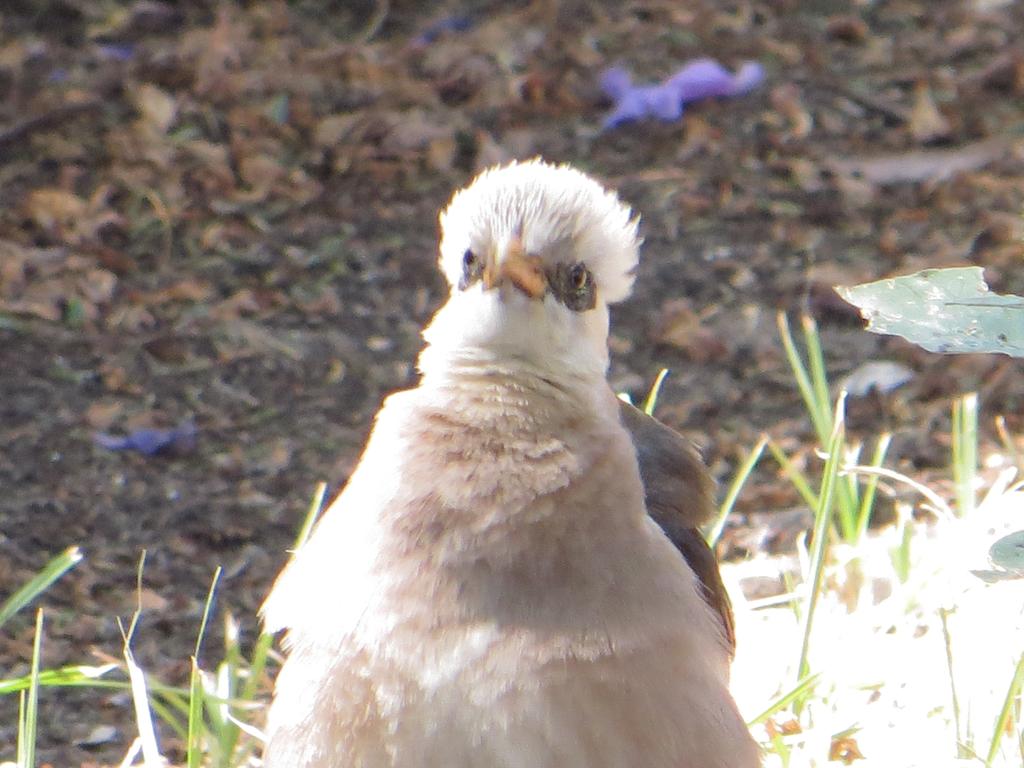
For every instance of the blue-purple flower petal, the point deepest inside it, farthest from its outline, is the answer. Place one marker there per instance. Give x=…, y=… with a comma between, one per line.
x=698, y=79
x=149, y=442
x=616, y=83
x=749, y=76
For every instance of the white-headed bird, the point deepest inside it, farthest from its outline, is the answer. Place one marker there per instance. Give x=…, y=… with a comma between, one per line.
x=491, y=589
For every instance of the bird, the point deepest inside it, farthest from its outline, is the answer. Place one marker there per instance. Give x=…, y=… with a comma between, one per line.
x=513, y=575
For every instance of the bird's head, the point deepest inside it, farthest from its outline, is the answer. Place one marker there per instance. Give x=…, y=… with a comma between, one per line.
x=534, y=254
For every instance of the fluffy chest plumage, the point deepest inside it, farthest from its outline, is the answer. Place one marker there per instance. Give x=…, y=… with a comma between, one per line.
x=498, y=603
x=656, y=707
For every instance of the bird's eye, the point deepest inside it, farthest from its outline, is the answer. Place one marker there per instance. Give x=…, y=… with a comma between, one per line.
x=579, y=277
x=573, y=285
x=472, y=269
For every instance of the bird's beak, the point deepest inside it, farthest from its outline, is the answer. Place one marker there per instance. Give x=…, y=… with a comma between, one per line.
x=520, y=269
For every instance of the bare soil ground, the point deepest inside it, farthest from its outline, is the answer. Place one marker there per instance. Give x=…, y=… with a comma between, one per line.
x=227, y=214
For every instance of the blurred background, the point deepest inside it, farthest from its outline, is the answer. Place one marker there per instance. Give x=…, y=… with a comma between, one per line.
x=218, y=228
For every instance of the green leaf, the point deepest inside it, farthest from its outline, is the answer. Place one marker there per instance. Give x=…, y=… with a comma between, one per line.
x=1008, y=553
x=942, y=310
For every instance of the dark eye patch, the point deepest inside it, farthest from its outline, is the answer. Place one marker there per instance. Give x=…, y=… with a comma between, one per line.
x=573, y=285
x=472, y=269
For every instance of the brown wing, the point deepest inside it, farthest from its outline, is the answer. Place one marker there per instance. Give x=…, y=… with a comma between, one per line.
x=678, y=492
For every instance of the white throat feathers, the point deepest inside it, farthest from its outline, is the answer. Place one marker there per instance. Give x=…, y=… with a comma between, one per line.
x=534, y=254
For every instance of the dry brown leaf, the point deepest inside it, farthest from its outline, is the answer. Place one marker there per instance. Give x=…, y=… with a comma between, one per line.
x=45, y=310
x=325, y=302
x=130, y=319
x=844, y=750
x=243, y=338
x=788, y=102
x=102, y=414
x=488, y=151
x=211, y=170
x=441, y=153
x=241, y=302
x=55, y=211
x=13, y=262
x=261, y=173
x=806, y=173
x=168, y=349
x=679, y=326
x=926, y=121
x=158, y=108
x=277, y=459
x=415, y=131
x=116, y=379
x=190, y=289
x=150, y=600
x=1005, y=72
x=848, y=28
x=97, y=286
x=334, y=129
x=207, y=152
x=675, y=323
x=219, y=50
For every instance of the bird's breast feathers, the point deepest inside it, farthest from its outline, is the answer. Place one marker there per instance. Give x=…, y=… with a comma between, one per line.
x=510, y=601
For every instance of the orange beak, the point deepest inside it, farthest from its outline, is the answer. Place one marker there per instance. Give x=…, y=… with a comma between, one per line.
x=520, y=269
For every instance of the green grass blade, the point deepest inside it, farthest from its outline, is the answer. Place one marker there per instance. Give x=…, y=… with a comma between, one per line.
x=845, y=511
x=812, y=380
x=867, y=501
x=64, y=677
x=22, y=733
x=742, y=473
x=316, y=505
x=798, y=478
x=652, y=397
x=28, y=723
x=171, y=710
x=207, y=609
x=194, y=741
x=963, y=748
x=254, y=675
x=822, y=518
x=798, y=691
x=780, y=748
x=38, y=584
x=965, y=451
x=195, y=692
x=137, y=679
x=228, y=677
x=900, y=554
x=848, y=498
x=821, y=401
x=225, y=731
x=802, y=377
x=1004, y=714
x=234, y=659
x=175, y=699
x=143, y=708
x=256, y=666
x=1009, y=447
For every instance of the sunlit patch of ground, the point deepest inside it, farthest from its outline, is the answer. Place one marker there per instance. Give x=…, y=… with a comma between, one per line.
x=878, y=644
